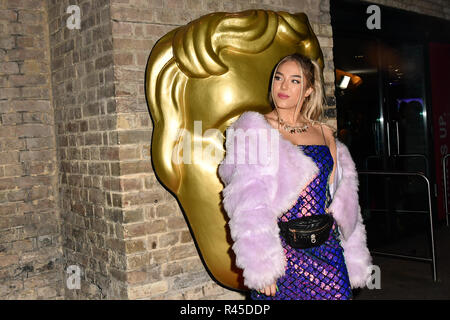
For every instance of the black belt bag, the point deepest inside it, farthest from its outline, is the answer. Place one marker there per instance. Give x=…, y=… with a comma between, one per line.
x=307, y=232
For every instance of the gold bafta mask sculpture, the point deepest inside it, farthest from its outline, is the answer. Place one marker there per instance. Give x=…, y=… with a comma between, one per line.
x=199, y=78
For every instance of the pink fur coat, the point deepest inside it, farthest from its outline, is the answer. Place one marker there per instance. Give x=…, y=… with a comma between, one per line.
x=257, y=193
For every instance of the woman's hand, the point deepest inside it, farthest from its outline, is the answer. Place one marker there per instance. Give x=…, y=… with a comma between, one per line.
x=270, y=290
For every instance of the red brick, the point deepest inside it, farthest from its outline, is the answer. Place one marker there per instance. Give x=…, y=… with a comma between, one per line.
x=9, y=157
x=8, y=15
x=120, y=27
x=133, y=246
x=135, y=230
x=109, y=153
x=182, y=252
x=136, y=276
x=142, y=197
x=23, y=4
x=131, y=184
x=41, y=155
x=9, y=67
x=7, y=183
x=14, y=170
x=28, y=80
x=132, y=14
x=27, y=53
x=8, y=260
x=7, y=209
x=34, y=130
x=175, y=223
x=135, y=167
x=40, y=143
x=12, y=118
x=17, y=195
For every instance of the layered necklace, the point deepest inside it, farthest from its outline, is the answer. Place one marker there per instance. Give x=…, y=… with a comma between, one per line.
x=292, y=129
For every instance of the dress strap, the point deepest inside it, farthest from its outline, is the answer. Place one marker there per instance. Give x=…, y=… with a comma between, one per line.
x=321, y=127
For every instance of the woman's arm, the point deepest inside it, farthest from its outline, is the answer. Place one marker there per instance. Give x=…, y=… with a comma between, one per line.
x=247, y=198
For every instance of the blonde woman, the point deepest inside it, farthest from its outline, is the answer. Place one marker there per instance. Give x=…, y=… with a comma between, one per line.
x=314, y=176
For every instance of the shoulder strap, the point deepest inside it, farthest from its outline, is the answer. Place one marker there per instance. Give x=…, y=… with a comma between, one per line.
x=321, y=127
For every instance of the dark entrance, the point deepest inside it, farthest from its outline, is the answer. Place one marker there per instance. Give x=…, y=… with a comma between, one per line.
x=384, y=117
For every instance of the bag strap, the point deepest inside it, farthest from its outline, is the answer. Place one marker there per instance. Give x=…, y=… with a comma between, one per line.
x=321, y=127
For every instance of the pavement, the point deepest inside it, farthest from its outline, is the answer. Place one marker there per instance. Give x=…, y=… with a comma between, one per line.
x=404, y=279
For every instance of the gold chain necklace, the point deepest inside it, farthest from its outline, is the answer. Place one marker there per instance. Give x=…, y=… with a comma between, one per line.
x=292, y=129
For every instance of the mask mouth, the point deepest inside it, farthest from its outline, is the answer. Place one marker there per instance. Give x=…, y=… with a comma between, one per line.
x=301, y=88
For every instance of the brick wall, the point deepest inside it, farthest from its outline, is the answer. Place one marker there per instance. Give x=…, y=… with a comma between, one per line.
x=88, y=148
x=30, y=255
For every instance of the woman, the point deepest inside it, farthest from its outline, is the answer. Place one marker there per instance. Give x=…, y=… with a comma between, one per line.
x=314, y=175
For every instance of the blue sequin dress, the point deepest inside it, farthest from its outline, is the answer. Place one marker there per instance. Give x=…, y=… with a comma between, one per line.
x=320, y=272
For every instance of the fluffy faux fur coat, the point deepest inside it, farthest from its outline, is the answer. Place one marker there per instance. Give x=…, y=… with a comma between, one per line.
x=256, y=194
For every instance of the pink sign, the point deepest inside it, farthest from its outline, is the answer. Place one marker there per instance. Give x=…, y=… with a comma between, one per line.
x=440, y=96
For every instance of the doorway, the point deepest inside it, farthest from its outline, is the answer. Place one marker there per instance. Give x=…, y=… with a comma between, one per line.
x=384, y=117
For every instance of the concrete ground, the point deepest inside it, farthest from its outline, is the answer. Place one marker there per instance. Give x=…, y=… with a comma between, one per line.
x=405, y=279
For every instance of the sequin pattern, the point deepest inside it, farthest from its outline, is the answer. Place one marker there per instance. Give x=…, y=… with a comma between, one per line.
x=316, y=273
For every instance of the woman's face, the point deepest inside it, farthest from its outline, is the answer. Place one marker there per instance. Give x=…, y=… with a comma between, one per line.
x=287, y=85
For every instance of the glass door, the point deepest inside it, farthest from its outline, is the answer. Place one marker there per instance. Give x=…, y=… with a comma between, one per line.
x=381, y=113
x=359, y=110
x=406, y=121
